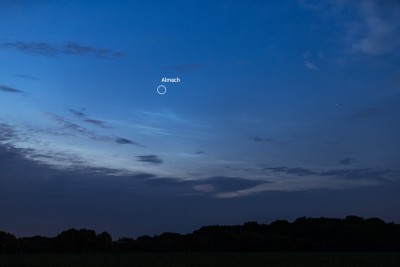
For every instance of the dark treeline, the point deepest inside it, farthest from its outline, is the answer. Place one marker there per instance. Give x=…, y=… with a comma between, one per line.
x=304, y=234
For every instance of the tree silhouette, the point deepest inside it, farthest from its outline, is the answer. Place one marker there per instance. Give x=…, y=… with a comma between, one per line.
x=8, y=242
x=104, y=242
x=304, y=234
x=74, y=240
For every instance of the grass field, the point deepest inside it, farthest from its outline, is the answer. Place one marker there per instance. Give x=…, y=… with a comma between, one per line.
x=204, y=259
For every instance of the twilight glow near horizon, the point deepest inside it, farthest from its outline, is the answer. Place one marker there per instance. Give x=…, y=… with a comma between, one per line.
x=282, y=109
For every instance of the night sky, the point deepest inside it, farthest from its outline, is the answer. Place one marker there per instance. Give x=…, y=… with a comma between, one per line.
x=284, y=109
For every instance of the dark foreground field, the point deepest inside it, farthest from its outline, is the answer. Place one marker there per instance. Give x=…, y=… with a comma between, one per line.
x=205, y=259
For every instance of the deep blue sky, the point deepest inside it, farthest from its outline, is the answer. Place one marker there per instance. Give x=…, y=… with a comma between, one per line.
x=284, y=109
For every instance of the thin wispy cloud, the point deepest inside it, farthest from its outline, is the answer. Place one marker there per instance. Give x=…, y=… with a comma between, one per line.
x=77, y=113
x=309, y=65
x=153, y=159
x=261, y=139
x=300, y=171
x=163, y=116
x=124, y=141
x=210, y=186
x=306, y=184
x=83, y=116
x=302, y=179
x=79, y=49
x=181, y=68
x=8, y=89
x=375, y=174
x=388, y=107
x=54, y=50
x=75, y=128
x=27, y=77
x=373, y=30
x=286, y=179
x=305, y=179
x=309, y=4
x=7, y=133
x=34, y=48
x=346, y=161
x=97, y=123
x=227, y=184
x=206, y=188
x=371, y=112
x=381, y=27
x=166, y=122
x=354, y=173
x=310, y=58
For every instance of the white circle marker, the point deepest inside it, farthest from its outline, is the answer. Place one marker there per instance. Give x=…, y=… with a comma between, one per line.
x=161, y=89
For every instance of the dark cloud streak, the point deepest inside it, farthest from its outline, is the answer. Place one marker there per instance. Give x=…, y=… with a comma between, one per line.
x=346, y=161
x=350, y=174
x=8, y=89
x=78, y=49
x=84, y=118
x=261, y=139
x=299, y=171
x=226, y=184
x=153, y=159
x=360, y=174
x=89, y=134
x=96, y=122
x=77, y=128
x=26, y=76
x=6, y=132
x=388, y=108
x=77, y=113
x=124, y=141
x=52, y=50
